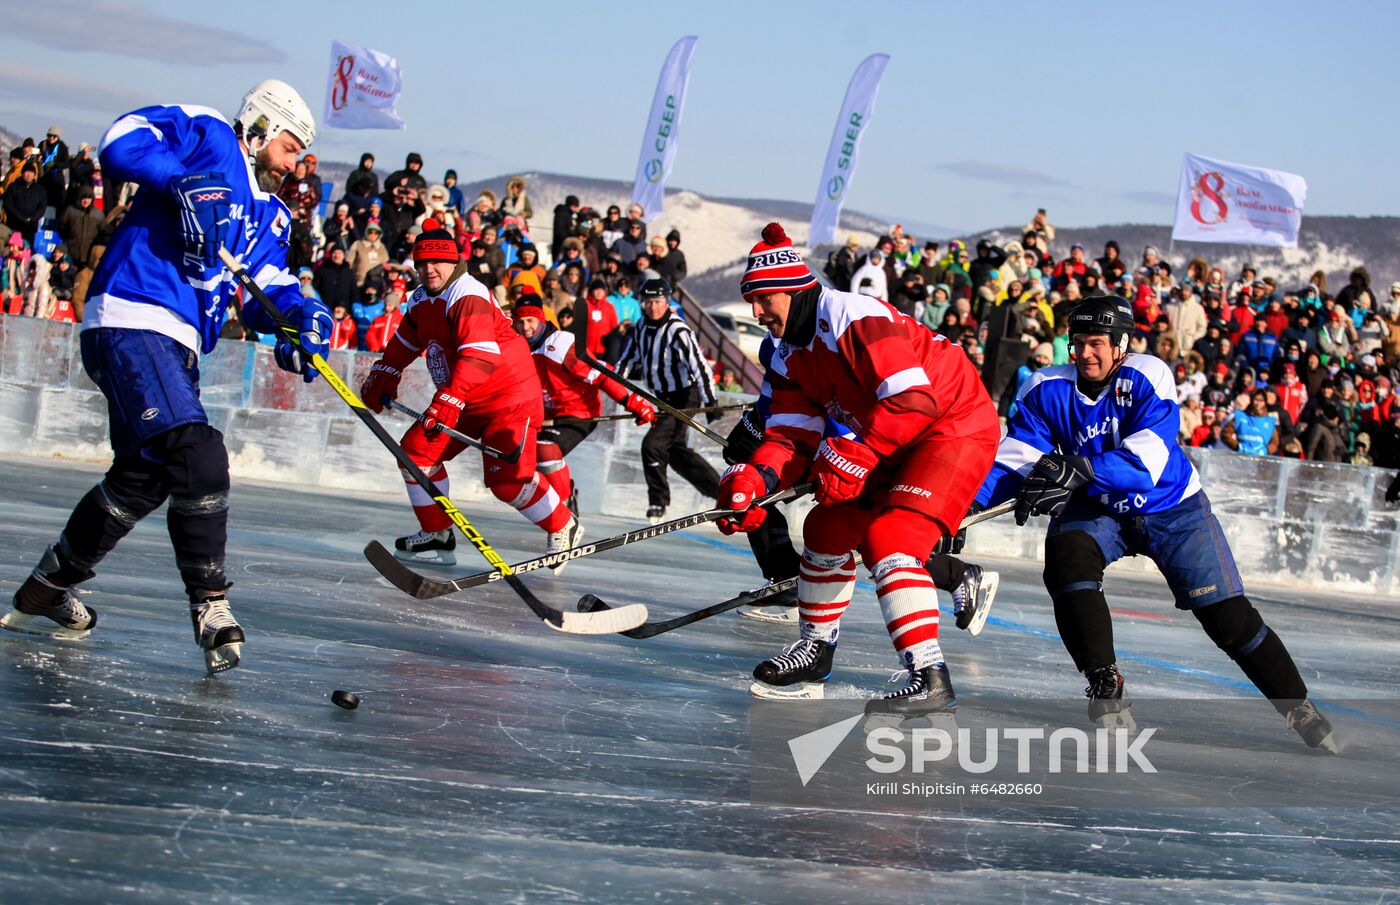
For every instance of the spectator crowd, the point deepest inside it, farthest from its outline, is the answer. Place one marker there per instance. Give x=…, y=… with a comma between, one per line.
x=1261, y=367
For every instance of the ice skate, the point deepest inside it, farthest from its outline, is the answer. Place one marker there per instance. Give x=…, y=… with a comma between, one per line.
x=972, y=598
x=928, y=696
x=655, y=514
x=43, y=597
x=217, y=632
x=566, y=538
x=430, y=547
x=572, y=501
x=780, y=608
x=1108, y=702
x=799, y=673
x=1312, y=726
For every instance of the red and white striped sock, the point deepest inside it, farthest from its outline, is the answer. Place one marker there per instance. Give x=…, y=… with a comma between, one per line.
x=539, y=502
x=909, y=602
x=825, y=583
x=549, y=459
x=430, y=514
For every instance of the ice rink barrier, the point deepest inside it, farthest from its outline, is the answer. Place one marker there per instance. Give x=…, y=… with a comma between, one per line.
x=1289, y=522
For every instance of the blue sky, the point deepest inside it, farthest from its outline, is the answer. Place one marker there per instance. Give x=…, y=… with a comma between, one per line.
x=985, y=113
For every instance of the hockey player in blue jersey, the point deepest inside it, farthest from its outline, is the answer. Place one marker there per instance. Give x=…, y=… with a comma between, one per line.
x=1093, y=445
x=156, y=303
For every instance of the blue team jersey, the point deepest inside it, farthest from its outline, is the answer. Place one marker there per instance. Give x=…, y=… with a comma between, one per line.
x=1254, y=432
x=143, y=281
x=1129, y=435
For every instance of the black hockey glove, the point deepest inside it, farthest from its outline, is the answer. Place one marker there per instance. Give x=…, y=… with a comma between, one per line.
x=952, y=544
x=1047, y=489
x=1392, y=493
x=743, y=441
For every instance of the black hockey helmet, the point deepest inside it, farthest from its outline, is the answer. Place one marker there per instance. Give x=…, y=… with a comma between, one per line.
x=655, y=288
x=1110, y=314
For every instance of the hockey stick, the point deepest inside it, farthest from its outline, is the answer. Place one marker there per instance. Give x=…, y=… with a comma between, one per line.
x=591, y=603
x=556, y=619
x=425, y=587
x=579, y=328
x=509, y=458
x=628, y=416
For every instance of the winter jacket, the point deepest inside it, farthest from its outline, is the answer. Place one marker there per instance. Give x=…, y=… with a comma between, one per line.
x=79, y=228
x=1259, y=349
x=24, y=205
x=1188, y=320
x=362, y=181
x=336, y=284
x=519, y=205
x=671, y=267
x=364, y=257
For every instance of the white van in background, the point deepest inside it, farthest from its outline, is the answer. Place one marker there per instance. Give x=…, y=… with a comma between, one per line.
x=736, y=319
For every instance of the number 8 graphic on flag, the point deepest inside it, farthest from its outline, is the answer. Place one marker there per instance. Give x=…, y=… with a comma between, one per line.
x=1211, y=185
x=340, y=88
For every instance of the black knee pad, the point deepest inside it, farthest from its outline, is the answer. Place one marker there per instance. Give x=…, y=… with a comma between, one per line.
x=1073, y=562
x=1239, y=630
x=196, y=465
x=196, y=462
x=1234, y=625
x=132, y=488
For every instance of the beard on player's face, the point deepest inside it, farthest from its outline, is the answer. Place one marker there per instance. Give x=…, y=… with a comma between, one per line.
x=269, y=180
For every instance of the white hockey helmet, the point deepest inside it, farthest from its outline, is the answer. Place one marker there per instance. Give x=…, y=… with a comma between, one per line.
x=271, y=107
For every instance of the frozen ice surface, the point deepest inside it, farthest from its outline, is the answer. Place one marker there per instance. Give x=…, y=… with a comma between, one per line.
x=493, y=760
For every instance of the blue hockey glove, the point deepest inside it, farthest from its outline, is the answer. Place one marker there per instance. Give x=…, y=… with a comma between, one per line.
x=205, y=201
x=1047, y=489
x=316, y=328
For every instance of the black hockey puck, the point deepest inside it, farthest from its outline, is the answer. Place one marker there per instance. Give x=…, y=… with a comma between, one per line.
x=591, y=604
x=345, y=699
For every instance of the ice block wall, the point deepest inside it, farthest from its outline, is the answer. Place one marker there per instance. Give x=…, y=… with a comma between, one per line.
x=1289, y=522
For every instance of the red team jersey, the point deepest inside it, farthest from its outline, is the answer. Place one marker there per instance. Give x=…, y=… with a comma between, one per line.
x=378, y=334
x=888, y=378
x=469, y=345
x=570, y=386
x=343, y=336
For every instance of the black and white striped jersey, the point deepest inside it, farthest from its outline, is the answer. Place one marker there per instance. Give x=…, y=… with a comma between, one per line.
x=668, y=356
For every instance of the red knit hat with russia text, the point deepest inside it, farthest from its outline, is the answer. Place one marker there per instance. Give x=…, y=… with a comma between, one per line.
x=435, y=244
x=775, y=267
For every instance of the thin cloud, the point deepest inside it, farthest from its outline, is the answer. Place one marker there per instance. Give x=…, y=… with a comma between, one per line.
x=129, y=30
x=32, y=84
x=1155, y=199
x=1019, y=177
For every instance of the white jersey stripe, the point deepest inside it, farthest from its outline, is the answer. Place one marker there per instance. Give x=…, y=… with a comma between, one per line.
x=904, y=380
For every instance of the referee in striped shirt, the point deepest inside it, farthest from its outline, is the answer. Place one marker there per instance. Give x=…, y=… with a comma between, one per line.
x=664, y=351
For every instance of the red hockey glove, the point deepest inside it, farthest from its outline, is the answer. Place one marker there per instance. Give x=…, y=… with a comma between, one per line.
x=738, y=487
x=641, y=408
x=840, y=470
x=444, y=412
x=382, y=383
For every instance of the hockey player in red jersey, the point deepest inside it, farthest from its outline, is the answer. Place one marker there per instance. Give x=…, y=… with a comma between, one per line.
x=487, y=388
x=928, y=435
x=570, y=392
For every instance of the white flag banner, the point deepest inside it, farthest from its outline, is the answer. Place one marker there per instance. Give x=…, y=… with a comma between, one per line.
x=663, y=129
x=845, y=145
x=363, y=88
x=1237, y=204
